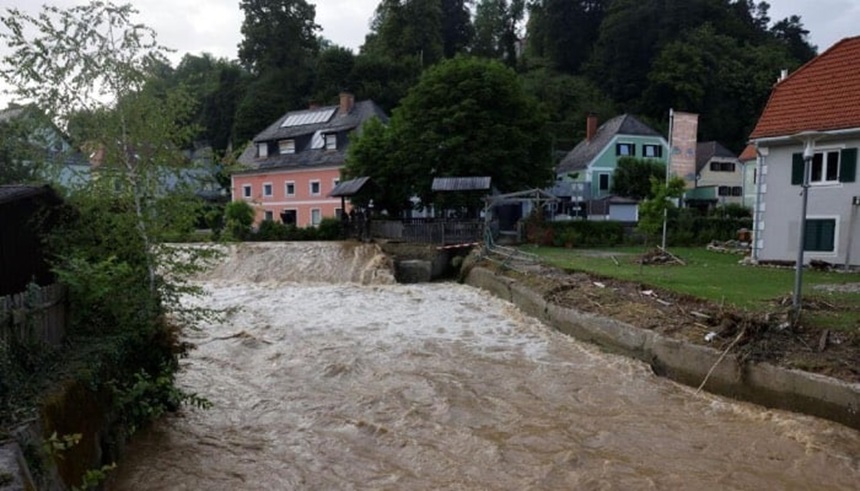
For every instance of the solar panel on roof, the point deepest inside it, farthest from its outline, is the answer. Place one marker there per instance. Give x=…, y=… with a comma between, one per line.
x=308, y=117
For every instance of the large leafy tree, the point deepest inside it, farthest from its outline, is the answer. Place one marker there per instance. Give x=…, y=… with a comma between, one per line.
x=277, y=34
x=471, y=117
x=377, y=154
x=632, y=177
x=279, y=46
x=725, y=81
x=407, y=29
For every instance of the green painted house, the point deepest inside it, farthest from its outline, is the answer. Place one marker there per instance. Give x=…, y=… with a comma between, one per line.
x=585, y=173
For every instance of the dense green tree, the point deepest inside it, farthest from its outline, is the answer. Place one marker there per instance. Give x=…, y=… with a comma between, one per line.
x=378, y=155
x=497, y=29
x=277, y=34
x=457, y=28
x=383, y=79
x=632, y=177
x=724, y=81
x=22, y=151
x=794, y=36
x=567, y=101
x=563, y=31
x=407, y=28
x=334, y=67
x=471, y=117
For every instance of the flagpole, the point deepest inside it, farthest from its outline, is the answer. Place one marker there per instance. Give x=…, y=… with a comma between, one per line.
x=668, y=167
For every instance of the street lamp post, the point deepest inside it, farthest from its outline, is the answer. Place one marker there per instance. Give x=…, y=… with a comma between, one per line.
x=808, y=138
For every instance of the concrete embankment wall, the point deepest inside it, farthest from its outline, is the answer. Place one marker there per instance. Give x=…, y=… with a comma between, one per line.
x=760, y=383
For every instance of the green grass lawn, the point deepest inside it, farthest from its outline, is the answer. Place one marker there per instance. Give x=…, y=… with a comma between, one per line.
x=709, y=275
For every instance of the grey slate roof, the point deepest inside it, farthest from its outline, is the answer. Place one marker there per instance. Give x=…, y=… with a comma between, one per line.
x=707, y=151
x=340, y=123
x=586, y=151
x=349, y=188
x=460, y=183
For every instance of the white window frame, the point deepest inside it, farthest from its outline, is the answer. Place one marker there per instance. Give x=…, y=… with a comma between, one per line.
x=267, y=186
x=287, y=146
x=618, y=149
x=247, y=191
x=287, y=185
x=658, y=151
x=316, y=217
x=330, y=141
x=268, y=215
x=338, y=213
x=335, y=182
x=311, y=187
x=823, y=181
x=262, y=150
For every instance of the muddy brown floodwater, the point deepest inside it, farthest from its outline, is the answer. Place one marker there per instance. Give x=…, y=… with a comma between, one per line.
x=327, y=385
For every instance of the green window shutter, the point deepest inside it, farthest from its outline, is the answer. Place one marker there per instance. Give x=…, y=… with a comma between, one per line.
x=820, y=235
x=848, y=170
x=797, y=169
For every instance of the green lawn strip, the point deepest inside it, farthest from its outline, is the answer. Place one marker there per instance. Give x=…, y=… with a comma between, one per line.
x=708, y=275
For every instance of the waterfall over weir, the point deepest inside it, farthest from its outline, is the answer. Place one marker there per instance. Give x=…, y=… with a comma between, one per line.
x=303, y=262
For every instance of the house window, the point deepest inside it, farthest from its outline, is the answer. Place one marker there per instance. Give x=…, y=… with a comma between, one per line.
x=737, y=191
x=267, y=189
x=262, y=150
x=315, y=188
x=652, y=151
x=603, y=182
x=335, y=182
x=331, y=141
x=246, y=190
x=625, y=149
x=316, y=216
x=722, y=167
x=288, y=217
x=820, y=235
x=338, y=213
x=825, y=168
x=268, y=215
x=287, y=146
x=724, y=191
x=290, y=188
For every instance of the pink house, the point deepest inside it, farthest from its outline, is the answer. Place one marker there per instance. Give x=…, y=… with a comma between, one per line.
x=293, y=165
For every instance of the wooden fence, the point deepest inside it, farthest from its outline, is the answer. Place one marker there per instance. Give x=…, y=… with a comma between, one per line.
x=37, y=315
x=429, y=232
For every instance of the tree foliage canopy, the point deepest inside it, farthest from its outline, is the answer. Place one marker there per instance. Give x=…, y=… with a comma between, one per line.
x=632, y=177
x=466, y=117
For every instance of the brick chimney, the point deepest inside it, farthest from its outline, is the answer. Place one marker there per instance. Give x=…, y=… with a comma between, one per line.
x=590, y=126
x=347, y=101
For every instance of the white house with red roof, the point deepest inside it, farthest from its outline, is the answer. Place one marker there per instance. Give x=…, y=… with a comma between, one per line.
x=820, y=102
x=292, y=166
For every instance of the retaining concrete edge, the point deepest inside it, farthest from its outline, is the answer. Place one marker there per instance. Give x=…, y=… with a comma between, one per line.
x=687, y=363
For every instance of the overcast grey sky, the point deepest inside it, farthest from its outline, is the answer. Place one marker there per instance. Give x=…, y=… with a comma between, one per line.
x=196, y=26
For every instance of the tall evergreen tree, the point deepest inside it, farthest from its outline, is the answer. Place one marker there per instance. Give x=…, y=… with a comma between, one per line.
x=497, y=29
x=563, y=31
x=457, y=28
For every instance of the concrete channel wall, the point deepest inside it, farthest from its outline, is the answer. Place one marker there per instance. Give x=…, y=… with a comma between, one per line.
x=760, y=383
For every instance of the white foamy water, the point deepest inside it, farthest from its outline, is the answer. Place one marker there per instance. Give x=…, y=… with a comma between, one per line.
x=346, y=385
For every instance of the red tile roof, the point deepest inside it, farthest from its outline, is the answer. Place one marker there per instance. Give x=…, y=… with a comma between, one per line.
x=822, y=95
x=748, y=154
